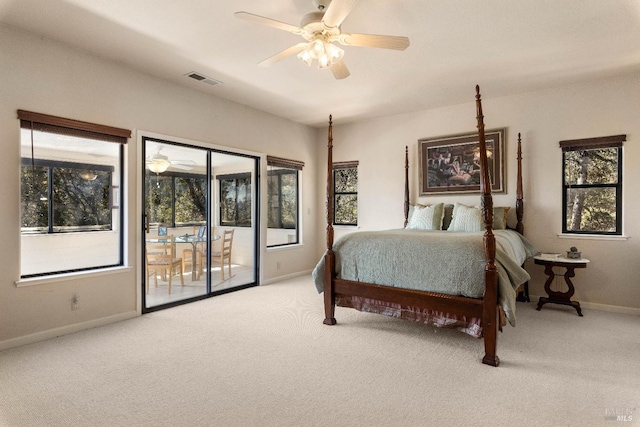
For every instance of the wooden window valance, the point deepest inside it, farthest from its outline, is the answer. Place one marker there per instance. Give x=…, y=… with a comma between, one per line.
x=62, y=126
x=284, y=163
x=592, y=143
x=345, y=165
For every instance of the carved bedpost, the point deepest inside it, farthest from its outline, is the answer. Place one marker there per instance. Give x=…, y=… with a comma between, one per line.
x=329, y=256
x=490, y=298
x=406, y=185
x=519, y=192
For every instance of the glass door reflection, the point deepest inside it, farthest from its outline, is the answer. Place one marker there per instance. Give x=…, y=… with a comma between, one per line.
x=200, y=208
x=175, y=203
x=233, y=256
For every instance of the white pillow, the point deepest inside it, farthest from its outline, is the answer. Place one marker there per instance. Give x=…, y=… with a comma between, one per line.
x=466, y=218
x=426, y=217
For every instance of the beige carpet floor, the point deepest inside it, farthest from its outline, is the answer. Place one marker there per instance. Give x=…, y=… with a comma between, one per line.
x=262, y=357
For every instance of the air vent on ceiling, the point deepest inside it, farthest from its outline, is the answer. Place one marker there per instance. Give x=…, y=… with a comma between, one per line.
x=202, y=78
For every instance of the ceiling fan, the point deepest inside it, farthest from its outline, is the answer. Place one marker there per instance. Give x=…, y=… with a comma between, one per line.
x=159, y=163
x=320, y=30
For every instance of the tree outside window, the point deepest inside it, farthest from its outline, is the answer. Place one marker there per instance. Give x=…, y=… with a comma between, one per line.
x=592, y=185
x=283, y=198
x=345, y=183
x=58, y=197
x=235, y=199
x=176, y=199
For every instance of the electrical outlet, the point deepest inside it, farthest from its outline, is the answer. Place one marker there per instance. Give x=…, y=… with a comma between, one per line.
x=75, y=300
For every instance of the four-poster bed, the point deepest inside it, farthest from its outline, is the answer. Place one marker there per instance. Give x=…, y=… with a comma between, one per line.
x=469, y=295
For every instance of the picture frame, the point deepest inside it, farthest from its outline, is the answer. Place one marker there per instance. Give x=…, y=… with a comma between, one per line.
x=450, y=164
x=202, y=231
x=162, y=231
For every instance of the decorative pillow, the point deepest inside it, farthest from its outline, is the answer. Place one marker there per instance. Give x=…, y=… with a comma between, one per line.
x=466, y=218
x=426, y=217
x=499, y=216
x=412, y=209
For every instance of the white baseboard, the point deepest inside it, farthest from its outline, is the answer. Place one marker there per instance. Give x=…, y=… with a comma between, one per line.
x=65, y=330
x=600, y=307
x=287, y=276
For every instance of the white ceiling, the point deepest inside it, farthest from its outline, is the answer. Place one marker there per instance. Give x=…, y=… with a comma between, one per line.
x=506, y=46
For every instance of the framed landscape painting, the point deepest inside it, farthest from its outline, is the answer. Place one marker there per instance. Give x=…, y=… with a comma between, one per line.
x=451, y=164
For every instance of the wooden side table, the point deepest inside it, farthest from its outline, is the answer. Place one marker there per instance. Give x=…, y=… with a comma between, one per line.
x=560, y=297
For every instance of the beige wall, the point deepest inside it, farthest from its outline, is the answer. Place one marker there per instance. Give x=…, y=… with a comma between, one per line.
x=46, y=77
x=597, y=108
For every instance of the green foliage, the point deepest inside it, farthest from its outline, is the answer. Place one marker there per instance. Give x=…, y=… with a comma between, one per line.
x=282, y=190
x=190, y=199
x=599, y=166
x=346, y=180
x=346, y=209
x=80, y=198
x=34, y=204
x=346, y=196
x=591, y=177
x=235, y=201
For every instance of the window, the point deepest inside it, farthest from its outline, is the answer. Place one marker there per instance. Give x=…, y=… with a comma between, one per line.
x=70, y=206
x=283, y=201
x=235, y=199
x=62, y=197
x=176, y=199
x=592, y=185
x=345, y=185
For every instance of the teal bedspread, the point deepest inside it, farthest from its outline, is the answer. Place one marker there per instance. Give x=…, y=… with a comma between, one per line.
x=436, y=261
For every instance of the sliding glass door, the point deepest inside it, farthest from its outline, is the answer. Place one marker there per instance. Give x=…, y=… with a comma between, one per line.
x=200, y=221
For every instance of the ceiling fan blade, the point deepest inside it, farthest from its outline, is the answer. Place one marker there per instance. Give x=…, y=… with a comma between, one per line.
x=182, y=162
x=297, y=48
x=374, y=40
x=337, y=12
x=182, y=167
x=340, y=70
x=246, y=16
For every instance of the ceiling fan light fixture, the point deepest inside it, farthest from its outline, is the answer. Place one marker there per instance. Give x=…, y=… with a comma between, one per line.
x=335, y=53
x=305, y=57
x=327, y=54
x=316, y=49
x=88, y=175
x=158, y=165
x=323, y=61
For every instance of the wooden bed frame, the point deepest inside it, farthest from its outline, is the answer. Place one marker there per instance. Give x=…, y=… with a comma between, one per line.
x=486, y=308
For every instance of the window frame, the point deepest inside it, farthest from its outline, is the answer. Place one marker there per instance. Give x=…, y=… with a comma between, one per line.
x=280, y=166
x=279, y=173
x=615, y=141
x=234, y=177
x=339, y=166
x=69, y=127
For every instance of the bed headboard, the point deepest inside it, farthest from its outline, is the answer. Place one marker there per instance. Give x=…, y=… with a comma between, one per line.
x=519, y=193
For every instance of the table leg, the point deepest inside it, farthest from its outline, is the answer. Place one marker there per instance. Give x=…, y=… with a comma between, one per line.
x=559, y=297
x=194, y=266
